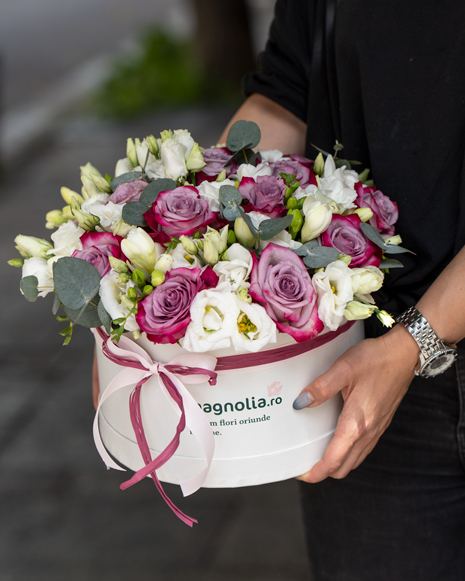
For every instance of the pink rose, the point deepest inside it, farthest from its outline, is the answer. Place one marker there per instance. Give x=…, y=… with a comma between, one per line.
x=179, y=211
x=302, y=173
x=344, y=234
x=281, y=281
x=216, y=159
x=165, y=313
x=385, y=212
x=265, y=195
x=129, y=192
x=97, y=247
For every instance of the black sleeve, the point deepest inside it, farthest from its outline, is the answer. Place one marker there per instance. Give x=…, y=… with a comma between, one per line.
x=284, y=65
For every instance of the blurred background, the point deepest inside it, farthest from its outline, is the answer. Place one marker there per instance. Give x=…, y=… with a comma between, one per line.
x=76, y=79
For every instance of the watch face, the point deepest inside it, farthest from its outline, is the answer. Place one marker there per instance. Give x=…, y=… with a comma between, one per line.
x=438, y=363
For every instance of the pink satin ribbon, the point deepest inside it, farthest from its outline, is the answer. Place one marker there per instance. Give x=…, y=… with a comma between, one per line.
x=193, y=368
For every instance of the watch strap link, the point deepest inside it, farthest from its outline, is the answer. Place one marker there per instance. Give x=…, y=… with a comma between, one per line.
x=422, y=332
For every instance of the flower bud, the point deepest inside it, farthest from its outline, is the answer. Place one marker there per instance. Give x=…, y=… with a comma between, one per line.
x=200, y=245
x=210, y=253
x=101, y=183
x=138, y=277
x=164, y=263
x=395, y=240
x=152, y=145
x=140, y=249
x=118, y=265
x=364, y=214
x=356, y=310
x=120, y=228
x=221, y=176
x=68, y=194
x=87, y=169
x=189, y=245
x=131, y=152
x=319, y=165
x=148, y=288
x=157, y=278
x=136, y=335
x=231, y=237
x=29, y=247
x=132, y=293
x=123, y=166
x=123, y=278
x=291, y=204
x=243, y=294
x=143, y=153
x=126, y=302
x=385, y=318
x=89, y=189
x=296, y=224
x=345, y=258
x=167, y=134
x=366, y=280
x=67, y=213
x=317, y=218
x=16, y=262
x=194, y=161
x=54, y=219
x=243, y=234
x=85, y=221
x=218, y=239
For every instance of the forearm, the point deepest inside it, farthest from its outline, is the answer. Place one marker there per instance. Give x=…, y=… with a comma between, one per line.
x=280, y=128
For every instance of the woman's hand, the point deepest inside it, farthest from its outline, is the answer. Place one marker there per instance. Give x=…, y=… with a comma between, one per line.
x=95, y=384
x=373, y=377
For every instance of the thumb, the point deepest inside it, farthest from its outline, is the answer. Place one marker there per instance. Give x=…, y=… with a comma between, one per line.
x=322, y=388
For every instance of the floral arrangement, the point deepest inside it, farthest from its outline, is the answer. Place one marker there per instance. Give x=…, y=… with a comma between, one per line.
x=215, y=248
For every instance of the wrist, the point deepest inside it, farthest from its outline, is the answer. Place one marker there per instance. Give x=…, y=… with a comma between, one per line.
x=401, y=347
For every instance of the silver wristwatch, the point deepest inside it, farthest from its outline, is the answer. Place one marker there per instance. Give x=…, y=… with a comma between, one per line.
x=435, y=355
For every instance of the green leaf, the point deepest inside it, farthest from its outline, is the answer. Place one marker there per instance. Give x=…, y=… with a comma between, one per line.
x=320, y=256
x=393, y=249
x=56, y=304
x=306, y=248
x=66, y=331
x=270, y=228
x=76, y=282
x=68, y=338
x=104, y=317
x=62, y=319
x=390, y=263
x=242, y=135
x=28, y=285
x=125, y=178
x=87, y=316
x=230, y=195
x=248, y=221
x=133, y=214
x=246, y=155
x=372, y=234
x=150, y=193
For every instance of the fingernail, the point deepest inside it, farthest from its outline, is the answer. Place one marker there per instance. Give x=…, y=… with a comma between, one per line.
x=302, y=401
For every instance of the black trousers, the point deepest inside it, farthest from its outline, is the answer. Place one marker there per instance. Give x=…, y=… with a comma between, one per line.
x=400, y=516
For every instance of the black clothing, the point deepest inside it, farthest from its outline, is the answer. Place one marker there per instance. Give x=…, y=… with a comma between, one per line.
x=400, y=70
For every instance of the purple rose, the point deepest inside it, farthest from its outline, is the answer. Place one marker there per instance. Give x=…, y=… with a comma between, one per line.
x=97, y=247
x=301, y=159
x=344, y=234
x=129, y=192
x=303, y=174
x=180, y=211
x=265, y=195
x=281, y=281
x=165, y=313
x=216, y=159
x=385, y=212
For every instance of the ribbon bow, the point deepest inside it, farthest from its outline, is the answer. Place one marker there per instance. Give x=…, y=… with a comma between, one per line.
x=138, y=368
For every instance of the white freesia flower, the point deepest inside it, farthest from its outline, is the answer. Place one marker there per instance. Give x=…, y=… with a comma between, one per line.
x=255, y=328
x=339, y=184
x=182, y=259
x=271, y=155
x=214, y=314
x=111, y=295
x=366, y=280
x=317, y=219
x=356, y=310
x=334, y=290
x=246, y=170
x=29, y=246
x=173, y=156
x=210, y=192
x=66, y=239
x=122, y=166
x=164, y=263
x=39, y=268
x=236, y=269
x=141, y=250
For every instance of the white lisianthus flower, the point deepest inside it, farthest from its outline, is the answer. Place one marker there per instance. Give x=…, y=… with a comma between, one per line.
x=88, y=205
x=366, y=280
x=235, y=270
x=246, y=170
x=317, y=219
x=334, y=289
x=271, y=155
x=122, y=166
x=185, y=138
x=109, y=213
x=39, y=268
x=111, y=295
x=210, y=192
x=182, y=258
x=66, y=239
x=214, y=314
x=173, y=156
x=141, y=250
x=155, y=170
x=255, y=328
x=339, y=184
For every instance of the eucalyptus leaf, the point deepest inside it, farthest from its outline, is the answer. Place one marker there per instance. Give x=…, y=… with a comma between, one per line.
x=372, y=234
x=245, y=155
x=270, y=228
x=231, y=213
x=125, y=178
x=229, y=195
x=104, y=317
x=87, y=316
x=390, y=263
x=394, y=249
x=56, y=304
x=248, y=221
x=306, y=248
x=28, y=285
x=133, y=214
x=320, y=256
x=150, y=193
x=243, y=134
x=76, y=282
